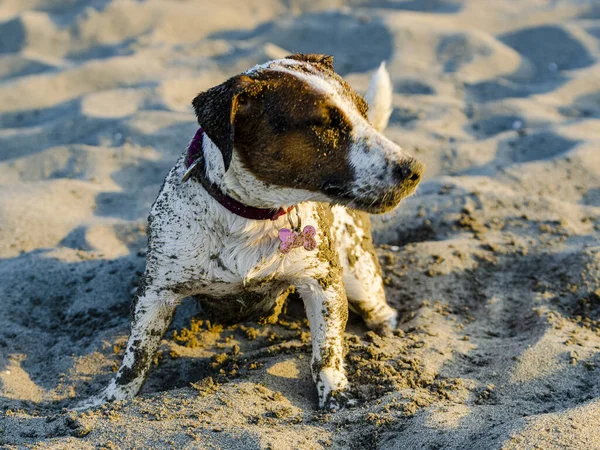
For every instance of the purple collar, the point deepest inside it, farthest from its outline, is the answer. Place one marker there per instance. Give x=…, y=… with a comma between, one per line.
x=195, y=158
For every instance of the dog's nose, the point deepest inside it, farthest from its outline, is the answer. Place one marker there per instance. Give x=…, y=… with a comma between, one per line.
x=408, y=170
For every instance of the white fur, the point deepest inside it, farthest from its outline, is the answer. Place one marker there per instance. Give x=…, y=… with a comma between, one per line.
x=372, y=159
x=379, y=98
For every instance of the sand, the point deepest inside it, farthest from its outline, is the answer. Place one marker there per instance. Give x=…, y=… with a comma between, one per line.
x=494, y=264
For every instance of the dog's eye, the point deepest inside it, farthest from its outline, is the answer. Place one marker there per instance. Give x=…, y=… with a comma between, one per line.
x=242, y=100
x=318, y=121
x=321, y=119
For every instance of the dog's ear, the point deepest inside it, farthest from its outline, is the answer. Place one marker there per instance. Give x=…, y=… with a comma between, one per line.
x=325, y=60
x=216, y=110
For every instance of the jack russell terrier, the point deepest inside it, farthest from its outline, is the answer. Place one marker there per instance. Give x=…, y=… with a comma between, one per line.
x=273, y=192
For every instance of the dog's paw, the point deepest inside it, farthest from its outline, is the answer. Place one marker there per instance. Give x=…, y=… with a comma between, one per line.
x=109, y=394
x=385, y=326
x=338, y=400
x=88, y=403
x=331, y=387
x=384, y=331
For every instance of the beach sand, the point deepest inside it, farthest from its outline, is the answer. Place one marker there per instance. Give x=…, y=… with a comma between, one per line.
x=494, y=264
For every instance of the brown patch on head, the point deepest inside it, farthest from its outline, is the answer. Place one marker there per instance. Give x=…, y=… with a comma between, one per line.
x=324, y=63
x=285, y=131
x=290, y=135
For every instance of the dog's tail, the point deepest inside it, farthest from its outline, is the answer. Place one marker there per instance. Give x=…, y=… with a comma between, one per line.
x=379, y=98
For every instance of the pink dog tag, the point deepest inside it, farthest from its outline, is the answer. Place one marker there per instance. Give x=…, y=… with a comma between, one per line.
x=291, y=239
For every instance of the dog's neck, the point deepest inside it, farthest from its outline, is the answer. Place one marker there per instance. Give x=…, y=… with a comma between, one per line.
x=240, y=184
x=197, y=169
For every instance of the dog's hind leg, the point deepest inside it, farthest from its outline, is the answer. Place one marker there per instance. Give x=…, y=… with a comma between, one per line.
x=361, y=270
x=152, y=314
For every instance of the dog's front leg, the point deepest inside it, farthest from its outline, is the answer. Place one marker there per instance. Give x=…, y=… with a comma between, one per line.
x=152, y=314
x=327, y=311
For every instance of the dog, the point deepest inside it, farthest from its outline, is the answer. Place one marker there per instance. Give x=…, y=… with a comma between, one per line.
x=274, y=192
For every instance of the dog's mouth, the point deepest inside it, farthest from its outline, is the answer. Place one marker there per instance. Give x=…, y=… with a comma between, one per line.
x=373, y=203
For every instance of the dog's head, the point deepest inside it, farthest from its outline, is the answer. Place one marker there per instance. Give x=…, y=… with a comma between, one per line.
x=295, y=124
